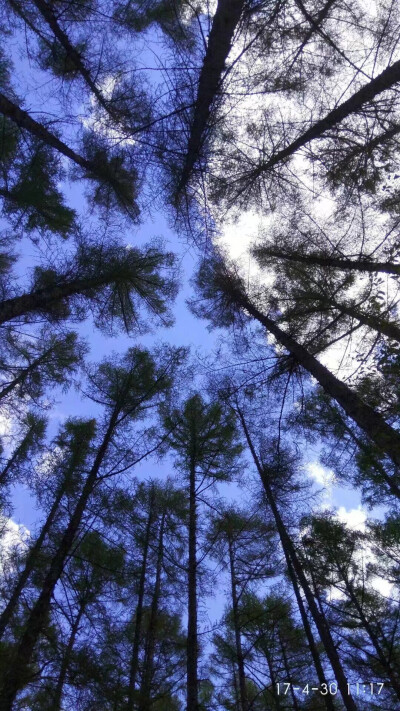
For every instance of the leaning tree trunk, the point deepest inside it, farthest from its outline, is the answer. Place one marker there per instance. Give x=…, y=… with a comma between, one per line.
x=25, y=121
x=244, y=704
x=224, y=24
x=139, y=607
x=19, y=664
x=290, y=553
x=273, y=690
x=388, y=328
x=30, y=564
x=17, y=455
x=47, y=13
x=385, y=437
x=386, y=80
x=380, y=653
x=313, y=258
x=288, y=673
x=44, y=299
x=309, y=634
x=25, y=373
x=62, y=677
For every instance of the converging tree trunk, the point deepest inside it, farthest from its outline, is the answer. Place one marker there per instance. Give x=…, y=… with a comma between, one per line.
x=192, y=641
x=62, y=676
x=224, y=24
x=290, y=554
x=312, y=645
x=236, y=622
x=313, y=258
x=386, y=80
x=148, y=666
x=36, y=620
x=137, y=634
x=370, y=421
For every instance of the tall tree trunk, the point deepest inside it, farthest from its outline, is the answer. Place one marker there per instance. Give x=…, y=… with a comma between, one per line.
x=238, y=640
x=388, y=328
x=25, y=372
x=288, y=673
x=22, y=657
x=25, y=121
x=389, y=480
x=309, y=634
x=192, y=643
x=17, y=454
x=44, y=299
x=58, y=692
x=271, y=672
x=313, y=258
x=224, y=24
x=137, y=635
x=386, y=80
x=47, y=13
x=148, y=670
x=290, y=552
x=385, y=437
x=380, y=653
x=30, y=564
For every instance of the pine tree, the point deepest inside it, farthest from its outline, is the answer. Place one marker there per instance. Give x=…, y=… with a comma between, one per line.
x=126, y=388
x=203, y=437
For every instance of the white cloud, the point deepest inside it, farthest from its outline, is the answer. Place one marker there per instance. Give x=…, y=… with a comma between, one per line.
x=98, y=121
x=353, y=518
x=323, y=477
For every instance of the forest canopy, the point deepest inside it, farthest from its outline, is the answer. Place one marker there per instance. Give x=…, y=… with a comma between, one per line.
x=200, y=361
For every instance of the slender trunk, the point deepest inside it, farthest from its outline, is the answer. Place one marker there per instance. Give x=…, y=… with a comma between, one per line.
x=18, y=453
x=383, y=660
x=309, y=634
x=145, y=689
x=25, y=121
x=30, y=565
x=58, y=692
x=290, y=552
x=313, y=258
x=24, y=374
x=388, y=328
x=47, y=13
x=288, y=673
x=315, y=27
x=192, y=643
x=385, y=437
x=137, y=635
x=43, y=299
x=224, y=24
x=386, y=80
x=272, y=676
x=366, y=148
x=389, y=480
x=235, y=688
x=16, y=675
x=238, y=640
